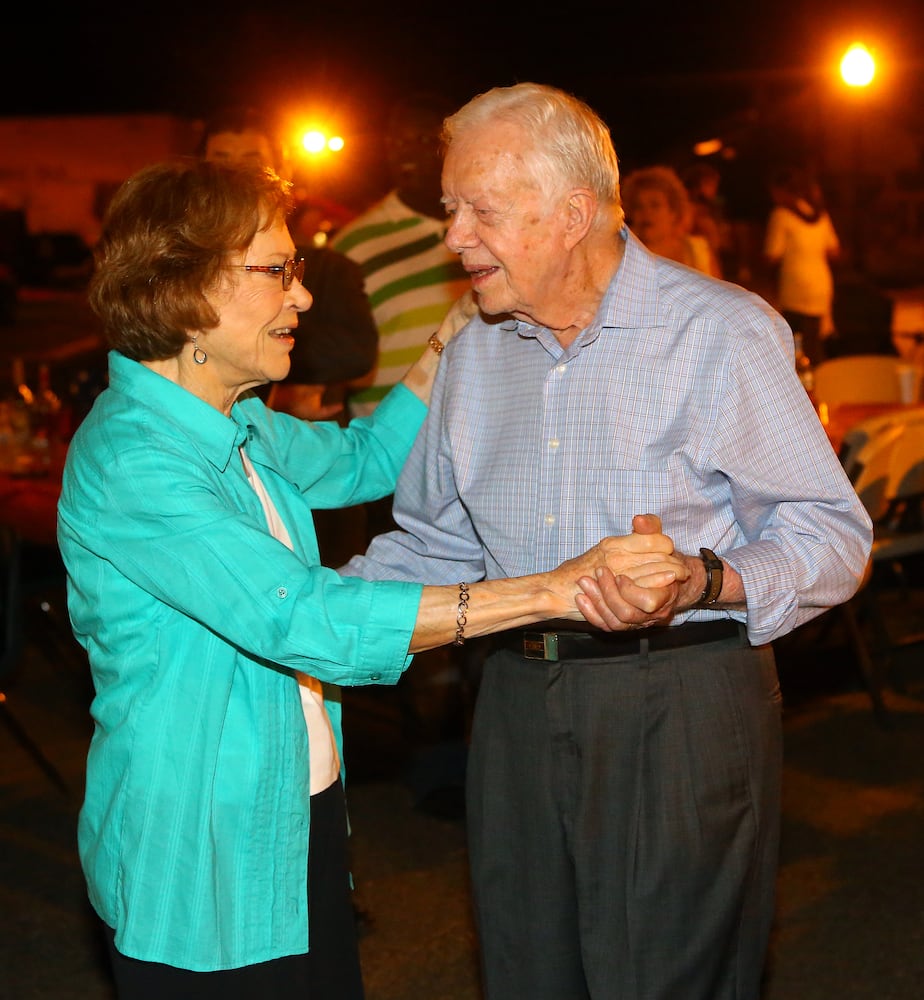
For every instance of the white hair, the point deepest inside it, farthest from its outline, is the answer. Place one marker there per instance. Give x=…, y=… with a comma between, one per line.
x=570, y=144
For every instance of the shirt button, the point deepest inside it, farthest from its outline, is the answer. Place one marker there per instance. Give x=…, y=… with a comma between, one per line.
x=282, y=593
x=560, y=369
x=554, y=443
x=375, y=677
x=549, y=520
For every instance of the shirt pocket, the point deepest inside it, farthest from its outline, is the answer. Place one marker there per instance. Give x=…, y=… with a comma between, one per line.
x=615, y=495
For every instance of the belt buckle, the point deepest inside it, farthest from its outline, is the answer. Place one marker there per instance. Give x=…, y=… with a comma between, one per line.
x=540, y=645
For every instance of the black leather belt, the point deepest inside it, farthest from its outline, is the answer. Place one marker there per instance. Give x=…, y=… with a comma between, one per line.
x=564, y=644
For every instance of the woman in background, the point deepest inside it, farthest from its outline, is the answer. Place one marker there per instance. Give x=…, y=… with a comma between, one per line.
x=658, y=211
x=801, y=243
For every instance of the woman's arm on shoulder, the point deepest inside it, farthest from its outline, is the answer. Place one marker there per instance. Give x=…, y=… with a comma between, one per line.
x=420, y=376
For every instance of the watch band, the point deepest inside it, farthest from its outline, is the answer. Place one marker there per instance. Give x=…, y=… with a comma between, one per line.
x=713, y=586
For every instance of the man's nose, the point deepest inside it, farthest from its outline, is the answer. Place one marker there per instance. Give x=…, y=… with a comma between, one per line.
x=459, y=236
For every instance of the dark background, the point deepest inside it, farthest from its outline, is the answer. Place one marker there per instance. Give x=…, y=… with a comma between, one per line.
x=763, y=77
x=659, y=73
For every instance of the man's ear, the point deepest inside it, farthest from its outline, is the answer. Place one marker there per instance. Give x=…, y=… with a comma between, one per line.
x=581, y=212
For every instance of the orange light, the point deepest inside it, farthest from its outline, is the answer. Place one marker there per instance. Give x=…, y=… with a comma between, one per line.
x=858, y=66
x=314, y=142
x=708, y=147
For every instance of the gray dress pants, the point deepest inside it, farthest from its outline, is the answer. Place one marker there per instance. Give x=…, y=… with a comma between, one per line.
x=624, y=823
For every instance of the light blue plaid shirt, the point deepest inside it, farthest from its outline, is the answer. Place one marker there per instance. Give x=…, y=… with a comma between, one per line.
x=681, y=400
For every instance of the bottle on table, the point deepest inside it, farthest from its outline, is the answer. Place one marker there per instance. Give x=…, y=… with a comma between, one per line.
x=31, y=422
x=45, y=418
x=16, y=401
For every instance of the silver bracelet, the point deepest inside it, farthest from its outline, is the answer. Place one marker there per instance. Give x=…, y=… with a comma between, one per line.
x=461, y=615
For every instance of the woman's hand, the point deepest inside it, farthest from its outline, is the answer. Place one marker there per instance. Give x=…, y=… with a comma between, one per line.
x=460, y=312
x=621, y=583
x=419, y=377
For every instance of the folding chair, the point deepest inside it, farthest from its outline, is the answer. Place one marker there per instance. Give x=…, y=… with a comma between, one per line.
x=887, y=472
x=859, y=378
x=857, y=437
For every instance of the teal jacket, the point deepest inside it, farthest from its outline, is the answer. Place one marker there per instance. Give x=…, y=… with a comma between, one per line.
x=193, y=834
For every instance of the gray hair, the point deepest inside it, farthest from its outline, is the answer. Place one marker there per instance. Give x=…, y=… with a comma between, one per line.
x=657, y=178
x=571, y=145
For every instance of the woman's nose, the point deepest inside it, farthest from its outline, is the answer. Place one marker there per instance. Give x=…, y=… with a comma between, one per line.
x=301, y=296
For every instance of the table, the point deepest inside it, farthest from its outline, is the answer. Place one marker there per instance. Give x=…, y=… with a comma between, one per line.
x=30, y=485
x=30, y=505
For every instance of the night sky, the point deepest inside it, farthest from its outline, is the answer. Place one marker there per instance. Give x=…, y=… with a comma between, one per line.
x=660, y=74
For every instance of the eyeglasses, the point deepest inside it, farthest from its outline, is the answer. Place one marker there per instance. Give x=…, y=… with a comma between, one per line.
x=289, y=271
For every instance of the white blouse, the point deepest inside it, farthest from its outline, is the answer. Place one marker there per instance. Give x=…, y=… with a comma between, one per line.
x=322, y=746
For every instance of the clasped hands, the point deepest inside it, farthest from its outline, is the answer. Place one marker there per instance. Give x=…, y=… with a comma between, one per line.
x=630, y=581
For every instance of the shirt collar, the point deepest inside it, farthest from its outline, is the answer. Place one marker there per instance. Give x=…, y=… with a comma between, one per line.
x=632, y=301
x=216, y=436
x=622, y=307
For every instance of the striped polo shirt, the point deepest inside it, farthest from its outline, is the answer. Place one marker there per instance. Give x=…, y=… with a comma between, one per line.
x=411, y=279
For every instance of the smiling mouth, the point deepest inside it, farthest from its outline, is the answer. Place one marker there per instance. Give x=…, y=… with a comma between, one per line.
x=479, y=273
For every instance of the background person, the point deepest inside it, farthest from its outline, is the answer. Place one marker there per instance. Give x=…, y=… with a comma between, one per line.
x=213, y=826
x=800, y=243
x=707, y=213
x=624, y=793
x=660, y=214
x=411, y=277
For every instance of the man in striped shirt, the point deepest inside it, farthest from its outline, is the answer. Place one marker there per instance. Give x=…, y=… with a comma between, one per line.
x=411, y=277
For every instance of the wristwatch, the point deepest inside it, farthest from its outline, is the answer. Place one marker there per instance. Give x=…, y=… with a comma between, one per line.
x=713, y=586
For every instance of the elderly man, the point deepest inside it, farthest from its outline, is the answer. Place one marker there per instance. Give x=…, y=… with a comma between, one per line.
x=623, y=791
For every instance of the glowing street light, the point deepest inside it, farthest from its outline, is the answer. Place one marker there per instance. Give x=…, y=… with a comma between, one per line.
x=858, y=66
x=316, y=142
x=857, y=71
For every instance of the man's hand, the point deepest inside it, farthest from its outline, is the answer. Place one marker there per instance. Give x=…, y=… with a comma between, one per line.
x=624, y=594
x=641, y=554
x=613, y=603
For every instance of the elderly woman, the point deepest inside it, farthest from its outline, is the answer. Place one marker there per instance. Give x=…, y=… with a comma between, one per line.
x=659, y=212
x=214, y=823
